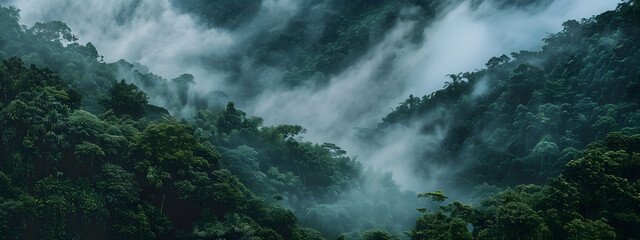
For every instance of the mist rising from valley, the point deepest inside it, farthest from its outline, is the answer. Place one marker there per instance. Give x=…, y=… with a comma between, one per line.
x=171, y=43
x=412, y=56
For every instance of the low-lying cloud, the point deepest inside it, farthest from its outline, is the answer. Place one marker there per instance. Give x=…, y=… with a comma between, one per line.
x=462, y=38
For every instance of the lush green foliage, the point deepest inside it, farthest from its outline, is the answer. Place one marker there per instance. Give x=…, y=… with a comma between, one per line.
x=125, y=98
x=53, y=45
x=522, y=118
x=83, y=155
x=168, y=163
x=309, y=178
x=271, y=160
x=595, y=197
x=67, y=173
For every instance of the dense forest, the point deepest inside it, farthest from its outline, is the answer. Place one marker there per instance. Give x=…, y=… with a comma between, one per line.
x=299, y=174
x=523, y=117
x=542, y=144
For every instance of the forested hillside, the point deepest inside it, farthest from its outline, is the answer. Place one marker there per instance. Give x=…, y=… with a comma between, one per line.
x=321, y=39
x=522, y=118
x=53, y=45
x=595, y=197
x=67, y=173
x=541, y=144
x=82, y=128
x=348, y=29
x=570, y=109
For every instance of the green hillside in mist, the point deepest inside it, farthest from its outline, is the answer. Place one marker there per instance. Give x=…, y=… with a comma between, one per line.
x=545, y=144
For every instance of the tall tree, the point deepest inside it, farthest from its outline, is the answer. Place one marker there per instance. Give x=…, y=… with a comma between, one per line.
x=125, y=98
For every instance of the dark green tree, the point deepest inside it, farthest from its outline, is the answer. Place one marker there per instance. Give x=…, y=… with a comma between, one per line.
x=125, y=98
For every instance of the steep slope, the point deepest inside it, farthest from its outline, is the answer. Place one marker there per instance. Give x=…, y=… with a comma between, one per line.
x=67, y=173
x=122, y=168
x=53, y=45
x=271, y=161
x=522, y=118
x=320, y=39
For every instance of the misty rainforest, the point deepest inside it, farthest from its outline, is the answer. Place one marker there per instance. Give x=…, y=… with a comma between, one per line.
x=319, y=119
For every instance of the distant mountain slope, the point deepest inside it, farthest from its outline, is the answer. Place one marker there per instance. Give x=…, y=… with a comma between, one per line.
x=53, y=45
x=522, y=118
x=322, y=38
